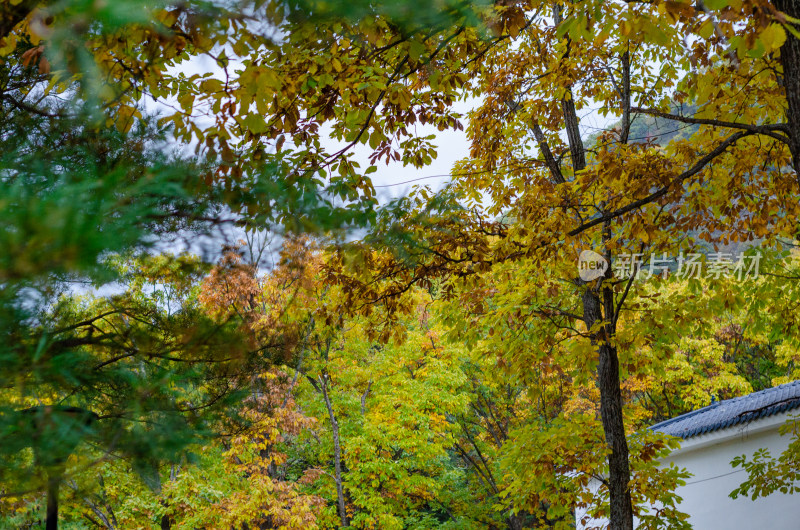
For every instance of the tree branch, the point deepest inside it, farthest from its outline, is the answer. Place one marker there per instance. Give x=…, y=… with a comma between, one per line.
x=702, y=163
x=768, y=130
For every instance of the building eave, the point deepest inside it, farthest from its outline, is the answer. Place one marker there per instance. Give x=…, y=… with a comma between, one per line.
x=729, y=434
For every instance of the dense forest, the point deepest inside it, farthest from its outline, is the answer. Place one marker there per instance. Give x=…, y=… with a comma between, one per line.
x=210, y=320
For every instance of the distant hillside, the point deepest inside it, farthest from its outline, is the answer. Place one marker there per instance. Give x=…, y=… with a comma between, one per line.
x=661, y=131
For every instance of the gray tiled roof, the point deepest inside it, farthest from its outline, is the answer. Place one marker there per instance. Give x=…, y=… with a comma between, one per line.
x=731, y=412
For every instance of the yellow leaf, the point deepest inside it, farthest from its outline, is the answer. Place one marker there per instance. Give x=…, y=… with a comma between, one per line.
x=8, y=44
x=773, y=36
x=125, y=118
x=706, y=29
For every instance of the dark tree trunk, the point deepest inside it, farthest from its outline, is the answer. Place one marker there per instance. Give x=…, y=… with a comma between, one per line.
x=790, y=57
x=514, y=523
x=614, y=428
x=619, y=474
x=51, y=521
x=621, y=517
x=577, y=152
x=619, y=471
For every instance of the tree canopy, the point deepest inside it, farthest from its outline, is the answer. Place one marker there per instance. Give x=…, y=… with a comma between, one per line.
x=435, y=361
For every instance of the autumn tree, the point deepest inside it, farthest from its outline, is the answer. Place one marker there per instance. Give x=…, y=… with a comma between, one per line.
x=289, y=77
x=90, y=179
x=623, y=196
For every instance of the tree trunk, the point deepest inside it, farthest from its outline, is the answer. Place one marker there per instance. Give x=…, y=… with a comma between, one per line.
x=51, y=521
x=614, y=428
x=514, y=523
x=621, y=517
x=619, y=471
x=619, y=475
x=337, y=452
x=790, y=57
x=625, y=96
x=577, y=152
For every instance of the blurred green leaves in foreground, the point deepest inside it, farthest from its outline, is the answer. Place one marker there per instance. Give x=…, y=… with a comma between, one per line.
x=94, y=193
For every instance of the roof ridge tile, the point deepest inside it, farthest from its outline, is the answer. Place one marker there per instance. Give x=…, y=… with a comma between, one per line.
x=741, y=409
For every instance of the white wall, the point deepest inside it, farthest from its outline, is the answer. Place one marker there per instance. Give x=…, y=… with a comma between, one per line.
x=705, y=495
